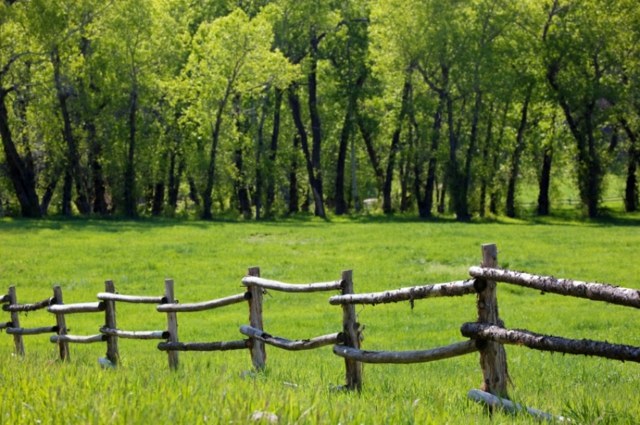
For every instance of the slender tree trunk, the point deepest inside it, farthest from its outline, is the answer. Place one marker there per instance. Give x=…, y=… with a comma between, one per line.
x=22, y=176
x=486, y=154
x=176, y=168
x=455, y=178
x=207, y=196
x=631, y=187
x=395, y=145
x=545, y=181
x=157, y=206
x=99, y=186
x=294, y=199
x=73, y=155
x=367, y=137
x=517, y=154
x=316, y=129
x=425, y=205
x=130, y=209
x=273, y=152
x=260, y=163
x=316, y=186
x=345, y=135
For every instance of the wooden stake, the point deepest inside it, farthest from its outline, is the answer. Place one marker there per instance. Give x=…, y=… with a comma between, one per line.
x=351, y=334
x=493, y=358
x=63, y=345
x=258, y=352
x=15, y=322
x=172, y=323
x=110, y=322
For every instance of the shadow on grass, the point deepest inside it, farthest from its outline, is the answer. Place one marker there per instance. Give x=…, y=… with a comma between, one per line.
x=609, y=218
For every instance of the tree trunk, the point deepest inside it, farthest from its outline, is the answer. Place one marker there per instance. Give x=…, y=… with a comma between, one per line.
x=157, y=206
x=73, y=156
x=345, y=134
x=425, y=204
x=545, y=181
x=517, y=154
x=207, y=196
x=371, y=152
x=316, y=129
x=130, y=209
x=314, y=182
x=387, y=207
x=631, y=187
x=244, y=203
x=99, y=188
x=22, y=176
x=273, y=152
x=294, y=199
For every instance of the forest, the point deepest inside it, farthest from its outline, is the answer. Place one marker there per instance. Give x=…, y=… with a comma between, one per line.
x=261, y=109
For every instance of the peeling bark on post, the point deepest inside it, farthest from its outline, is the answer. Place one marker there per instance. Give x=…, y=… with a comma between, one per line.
x=172, y=323
x=63, y=345
x=351, y=334
x=110, y=322
x=258, y=352
x=15, y=322
x=493, y=358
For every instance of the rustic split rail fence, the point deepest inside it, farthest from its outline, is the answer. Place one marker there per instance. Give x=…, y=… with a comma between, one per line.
x=487, y=335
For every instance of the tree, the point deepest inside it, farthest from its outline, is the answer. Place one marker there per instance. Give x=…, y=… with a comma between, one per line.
x=231, y=55
x=579, y=40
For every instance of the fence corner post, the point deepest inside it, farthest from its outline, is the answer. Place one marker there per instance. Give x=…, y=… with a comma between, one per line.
x=351, y=334
x=172, y=323
x=257, y=348
x=110, y=322
x=15, y=322
x=493, y=358
x=61, y=324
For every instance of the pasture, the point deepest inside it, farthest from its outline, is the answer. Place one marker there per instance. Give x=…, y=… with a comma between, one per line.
x=208, y=260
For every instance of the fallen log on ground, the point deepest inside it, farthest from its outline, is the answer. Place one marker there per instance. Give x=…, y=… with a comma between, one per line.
x=510, y=407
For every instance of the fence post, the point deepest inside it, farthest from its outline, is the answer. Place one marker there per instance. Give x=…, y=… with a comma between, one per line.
x=110, y=322
x=351, y=334
x=61, y=323
x=15, y=322
x=258, y=352
x=172, y=323
x=493, y=358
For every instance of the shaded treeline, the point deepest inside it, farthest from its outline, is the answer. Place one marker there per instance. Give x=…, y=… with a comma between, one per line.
x=164, y=107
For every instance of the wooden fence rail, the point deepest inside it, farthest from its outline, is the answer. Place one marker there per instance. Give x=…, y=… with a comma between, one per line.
x=575, y=288
x=487, y=335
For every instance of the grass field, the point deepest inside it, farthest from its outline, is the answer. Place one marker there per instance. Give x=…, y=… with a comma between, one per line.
x=207, y=260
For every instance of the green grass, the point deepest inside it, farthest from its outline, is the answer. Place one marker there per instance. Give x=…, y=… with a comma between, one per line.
x=207, y=260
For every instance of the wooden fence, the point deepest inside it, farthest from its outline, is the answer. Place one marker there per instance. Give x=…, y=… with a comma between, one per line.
x=487, y=335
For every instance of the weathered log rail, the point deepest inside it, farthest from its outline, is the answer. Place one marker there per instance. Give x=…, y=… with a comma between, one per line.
x=286, y=344
x=22, y=308
x=575, y=288
x=291, y=287
x=551, y=343
x=450, y=289
x=405, y=357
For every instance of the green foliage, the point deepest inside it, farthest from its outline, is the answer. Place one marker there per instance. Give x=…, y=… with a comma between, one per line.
x=110, y=103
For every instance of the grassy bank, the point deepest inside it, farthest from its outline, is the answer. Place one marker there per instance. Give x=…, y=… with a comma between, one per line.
x=207, y=260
